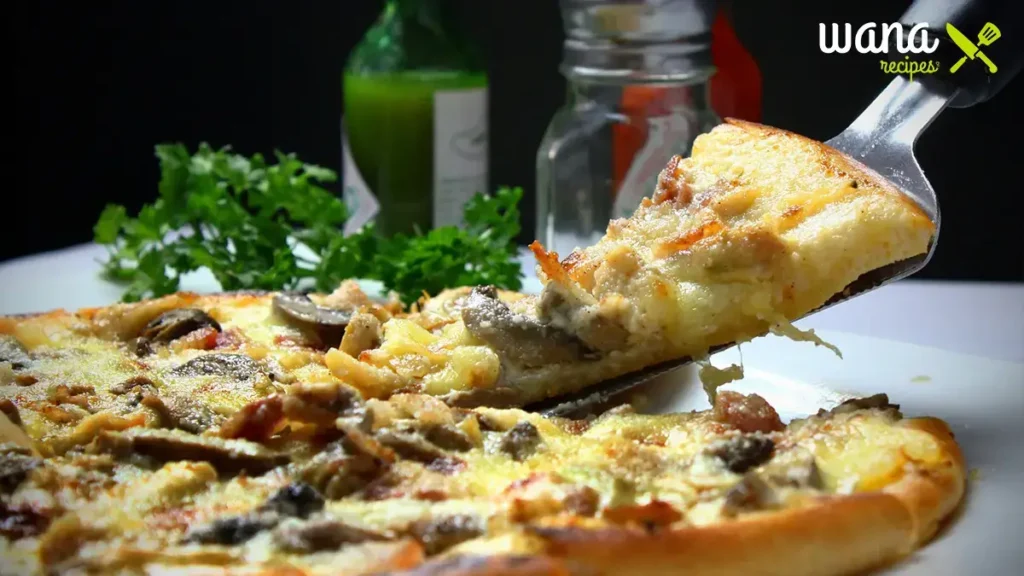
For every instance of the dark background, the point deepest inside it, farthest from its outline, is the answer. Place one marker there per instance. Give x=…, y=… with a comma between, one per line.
x=97, y=84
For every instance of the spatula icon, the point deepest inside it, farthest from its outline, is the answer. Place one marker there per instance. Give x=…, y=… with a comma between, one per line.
x=989, y=34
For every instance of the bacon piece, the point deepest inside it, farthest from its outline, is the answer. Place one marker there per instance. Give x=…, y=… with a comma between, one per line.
x=654, y=513
x=750, y=413
x=256, y=421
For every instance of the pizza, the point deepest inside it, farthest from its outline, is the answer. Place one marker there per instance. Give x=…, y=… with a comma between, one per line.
x=305, y=433
x=320, y=481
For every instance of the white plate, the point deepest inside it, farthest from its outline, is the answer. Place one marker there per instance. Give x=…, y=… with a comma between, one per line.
x=981, y=399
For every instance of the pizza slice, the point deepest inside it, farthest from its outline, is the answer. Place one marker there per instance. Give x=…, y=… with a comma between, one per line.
x=756, y=229
x=319, y=481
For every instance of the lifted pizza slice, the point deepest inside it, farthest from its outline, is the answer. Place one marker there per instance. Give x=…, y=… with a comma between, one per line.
x=756, y=229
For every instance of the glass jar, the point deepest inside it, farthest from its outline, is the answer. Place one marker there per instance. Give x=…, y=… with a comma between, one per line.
x=637, y=73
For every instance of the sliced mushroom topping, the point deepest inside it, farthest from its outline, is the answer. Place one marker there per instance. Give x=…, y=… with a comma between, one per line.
x=409, y=445
x=15, y=465
x=359, y=418
x=319, y=535
x=348, y=465
x=23, y=521
x=519, y=338
x=323, y=403
x=190, y=415
x=135, y=384
x=742, y=453
x=227, y=456
x=234, y=366
x=141, y=347
x=233, y=530
x=293, y=501
x=521, y=441
x=361, y=444
x=448, y=437
x=165, y=419
x=328, y=324
x=174, y=410
x=298, y=499
x=748, y=495
x=562, y=308
x=12, y=350
x=876, y=401
x=438, y=535
x=176, y=323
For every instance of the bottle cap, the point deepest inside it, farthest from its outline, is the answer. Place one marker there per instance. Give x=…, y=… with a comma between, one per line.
x=645, y=40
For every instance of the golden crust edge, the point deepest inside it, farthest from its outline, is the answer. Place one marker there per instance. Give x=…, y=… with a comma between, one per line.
x=840, y=160
x=837, y=535
x=94, y=314
x=932, y=493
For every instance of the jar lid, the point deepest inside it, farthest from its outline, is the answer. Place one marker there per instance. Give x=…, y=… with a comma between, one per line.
x=651, y=40
x=637, y=20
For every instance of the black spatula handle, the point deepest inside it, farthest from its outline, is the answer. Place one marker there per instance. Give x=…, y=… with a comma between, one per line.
x=973, y=78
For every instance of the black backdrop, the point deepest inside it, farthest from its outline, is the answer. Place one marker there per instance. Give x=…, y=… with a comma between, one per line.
x=97, y=84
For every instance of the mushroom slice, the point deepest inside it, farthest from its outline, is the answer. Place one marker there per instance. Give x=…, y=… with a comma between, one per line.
x=176, y=323
x=229, y=457
x=328, y=324
x=517, y=337
x=12, y=351
x=235, y=366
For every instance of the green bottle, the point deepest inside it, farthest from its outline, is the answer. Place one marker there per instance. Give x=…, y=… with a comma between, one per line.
x=414, y=130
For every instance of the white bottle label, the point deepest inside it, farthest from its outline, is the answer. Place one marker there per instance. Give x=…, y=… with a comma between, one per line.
x=460, y=152
x=362, y=205
x=666, y=135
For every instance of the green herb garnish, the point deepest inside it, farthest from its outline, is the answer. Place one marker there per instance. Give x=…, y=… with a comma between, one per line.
x=240, y=217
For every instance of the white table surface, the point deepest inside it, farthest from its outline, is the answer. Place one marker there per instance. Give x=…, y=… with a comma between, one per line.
x=981, y=319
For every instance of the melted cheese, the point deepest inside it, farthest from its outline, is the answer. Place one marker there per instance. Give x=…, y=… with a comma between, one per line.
x=630, y=462
x=70, y=392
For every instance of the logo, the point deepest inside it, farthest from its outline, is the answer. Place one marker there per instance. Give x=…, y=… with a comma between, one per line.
x=872, y=38
x=864, y=41
x=989, y=34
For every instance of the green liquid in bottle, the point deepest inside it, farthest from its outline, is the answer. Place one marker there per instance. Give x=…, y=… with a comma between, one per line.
x=415, y=117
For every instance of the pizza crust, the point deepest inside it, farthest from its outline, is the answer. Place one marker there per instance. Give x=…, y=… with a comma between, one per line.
x=933, y=494
x=836, y=535
x=839, y=535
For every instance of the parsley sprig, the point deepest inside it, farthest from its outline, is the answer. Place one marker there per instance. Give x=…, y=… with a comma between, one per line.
x=241, y=217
